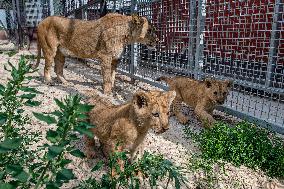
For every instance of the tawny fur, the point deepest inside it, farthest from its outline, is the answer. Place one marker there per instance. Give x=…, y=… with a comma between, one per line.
x=103, y=39
x=128, y=124
x=202, y=96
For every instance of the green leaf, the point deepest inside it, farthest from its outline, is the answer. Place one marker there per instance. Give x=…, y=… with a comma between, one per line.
x=10, y=144
x=56, y=113
x=2, y=173
x=59, y=103
x=31, y=90
x=28, y=96
x=32, y=103
x=2, y=88
x=64, y=162
x=48, y=119
x=17, y=172
x=84, y=130
x=51, y=186
x=52, y=136
x=54, y=151
x=83, y=108
x=77, y=153
x=82, y=116
x=3, y=118
x=65, y=175
x=7, y=186
x=98, y=166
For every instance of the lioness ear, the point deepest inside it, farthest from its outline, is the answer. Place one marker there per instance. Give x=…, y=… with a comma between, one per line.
x=141, y=100
x=228, y=83
x=208, y=82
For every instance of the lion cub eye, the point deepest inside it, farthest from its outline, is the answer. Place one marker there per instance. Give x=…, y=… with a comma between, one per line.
x=215, y=93
x=155, y=114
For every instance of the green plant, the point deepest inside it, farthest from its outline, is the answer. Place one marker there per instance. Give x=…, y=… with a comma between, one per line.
x=52, y=172
x=243, y=144
x=14, y=154
x=149, y=167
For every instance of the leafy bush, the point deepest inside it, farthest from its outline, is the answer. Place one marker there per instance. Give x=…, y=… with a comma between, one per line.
x=244, y=144
x=149, y=167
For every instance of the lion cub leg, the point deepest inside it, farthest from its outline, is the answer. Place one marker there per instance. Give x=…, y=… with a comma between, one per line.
x=58, y=68
x=107, y=76
x=89, y=145
x=204, y=116
x=177, y=107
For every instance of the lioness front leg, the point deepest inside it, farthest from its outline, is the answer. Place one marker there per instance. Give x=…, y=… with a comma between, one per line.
x=207, y=119
x=58, y=68
x=177, y=110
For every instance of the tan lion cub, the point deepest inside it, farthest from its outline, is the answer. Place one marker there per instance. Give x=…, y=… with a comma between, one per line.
x=203, y=96
x=129, y=123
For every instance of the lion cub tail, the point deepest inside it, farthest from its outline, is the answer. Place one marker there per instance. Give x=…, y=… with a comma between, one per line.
x=166, y=79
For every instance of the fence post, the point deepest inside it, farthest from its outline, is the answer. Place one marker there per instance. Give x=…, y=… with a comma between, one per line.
x=201, y=15
x=274, y=42
x=133, y=54
x=14, y=3
x=191, y=36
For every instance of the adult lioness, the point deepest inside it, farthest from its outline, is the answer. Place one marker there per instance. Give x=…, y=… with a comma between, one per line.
x=103, y=39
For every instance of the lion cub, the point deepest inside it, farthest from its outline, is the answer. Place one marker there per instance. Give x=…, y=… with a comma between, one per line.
x=128, y=124
x=203, y=96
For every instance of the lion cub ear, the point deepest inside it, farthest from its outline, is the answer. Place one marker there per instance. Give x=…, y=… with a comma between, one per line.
x=137, y=20
x=141, y=100
x=208, y=82
x=228, y=83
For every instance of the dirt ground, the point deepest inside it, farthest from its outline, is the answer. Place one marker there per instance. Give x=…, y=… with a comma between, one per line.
x=86, y=80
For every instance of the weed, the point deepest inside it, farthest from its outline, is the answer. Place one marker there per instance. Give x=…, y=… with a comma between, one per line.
x=244, y=144
x=149, y=167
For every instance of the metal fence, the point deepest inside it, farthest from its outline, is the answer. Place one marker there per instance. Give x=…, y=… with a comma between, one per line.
x=242, y=40
x=238, y=40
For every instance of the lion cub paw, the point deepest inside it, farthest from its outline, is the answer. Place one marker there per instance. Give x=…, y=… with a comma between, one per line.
x=183, y=119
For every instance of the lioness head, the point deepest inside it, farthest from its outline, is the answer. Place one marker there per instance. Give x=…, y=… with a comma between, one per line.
x=217, y=91
x=143, y=31
x=153, y=108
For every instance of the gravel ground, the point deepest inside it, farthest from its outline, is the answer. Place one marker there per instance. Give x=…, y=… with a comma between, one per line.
x=87, y=80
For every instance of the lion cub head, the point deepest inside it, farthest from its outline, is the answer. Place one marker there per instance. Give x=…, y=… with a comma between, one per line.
x=152, y=109
x=144, y=32
x=217, y=91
